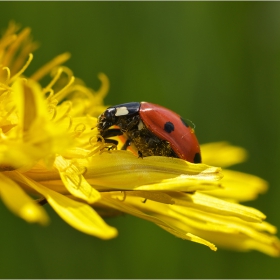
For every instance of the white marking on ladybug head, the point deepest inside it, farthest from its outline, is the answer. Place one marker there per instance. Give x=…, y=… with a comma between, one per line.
x=140, y=125
x=121, y=111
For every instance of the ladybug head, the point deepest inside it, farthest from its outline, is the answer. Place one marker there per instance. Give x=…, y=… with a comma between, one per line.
x=107, y=119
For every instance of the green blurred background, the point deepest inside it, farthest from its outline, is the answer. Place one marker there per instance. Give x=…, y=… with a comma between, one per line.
x=215, y=63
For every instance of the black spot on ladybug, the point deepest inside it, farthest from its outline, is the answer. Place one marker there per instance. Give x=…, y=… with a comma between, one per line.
x=169, y=127
x=184, y=122
x=197, y=158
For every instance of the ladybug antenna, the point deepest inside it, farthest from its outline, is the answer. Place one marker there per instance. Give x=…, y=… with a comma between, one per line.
x=192, y=124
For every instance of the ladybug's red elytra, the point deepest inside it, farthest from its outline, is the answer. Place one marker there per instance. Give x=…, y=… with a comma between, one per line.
x=151, y=130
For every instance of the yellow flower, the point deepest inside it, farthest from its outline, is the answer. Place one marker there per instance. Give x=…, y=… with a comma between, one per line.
x=49, y=151
x=40, y=137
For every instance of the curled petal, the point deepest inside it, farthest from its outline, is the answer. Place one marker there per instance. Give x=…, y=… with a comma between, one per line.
x=74, y=181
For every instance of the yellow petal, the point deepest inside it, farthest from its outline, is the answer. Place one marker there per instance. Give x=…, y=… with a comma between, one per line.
x=29, y=102
x=74, y=181
x=222, y=154
x=227, y=232
x=34, y=137
x=202, y=241
x=20, y=203
x=189, y=236
x=124, y=171
x=79, y=215
x=183, y=183
x=214, y=205
x=199, y=225
x=161, y=222
x=241, y=242
x=155, y=196
x=204, y=222
x=239, y=186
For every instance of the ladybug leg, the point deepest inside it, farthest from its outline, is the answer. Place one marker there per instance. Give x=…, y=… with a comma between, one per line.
x=126, y=144
x=111, y=141
x=111, y=133
x=42, y=201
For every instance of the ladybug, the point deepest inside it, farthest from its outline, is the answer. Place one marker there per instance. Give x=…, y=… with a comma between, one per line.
x=151, y=130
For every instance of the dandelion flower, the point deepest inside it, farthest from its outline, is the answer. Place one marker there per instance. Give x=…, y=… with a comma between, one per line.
x=49, y=152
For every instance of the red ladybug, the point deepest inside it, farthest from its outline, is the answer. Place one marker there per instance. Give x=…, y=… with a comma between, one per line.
x=150, y=129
